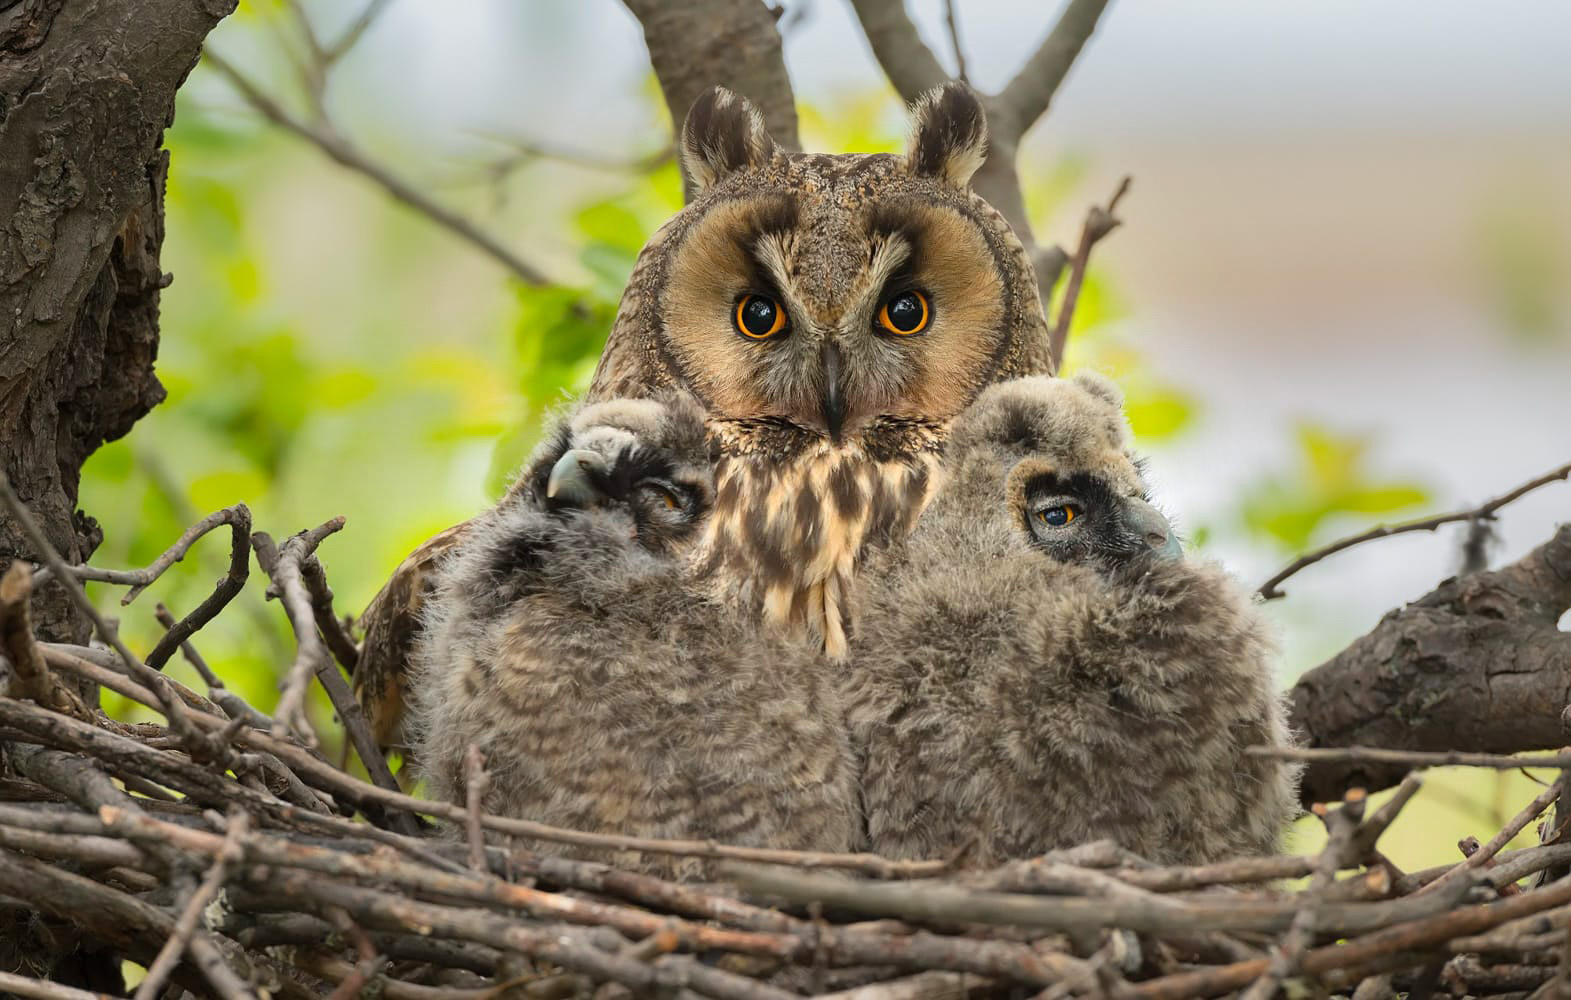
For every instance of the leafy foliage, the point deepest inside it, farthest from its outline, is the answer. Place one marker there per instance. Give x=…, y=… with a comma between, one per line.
x=1331, y=479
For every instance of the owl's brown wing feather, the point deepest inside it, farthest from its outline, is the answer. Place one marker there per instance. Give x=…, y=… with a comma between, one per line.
x=390, y=625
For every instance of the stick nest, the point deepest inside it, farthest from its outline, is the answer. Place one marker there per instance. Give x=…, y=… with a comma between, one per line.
x=220, y=849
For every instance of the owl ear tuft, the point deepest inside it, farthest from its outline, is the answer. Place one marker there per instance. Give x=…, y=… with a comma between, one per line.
x=1101, y=387
x=723, y=133
x=948, y=134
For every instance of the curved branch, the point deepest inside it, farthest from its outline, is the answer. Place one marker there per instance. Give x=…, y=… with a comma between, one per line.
x=1269, y=590
x=907, y=61
x=345, y=154
x=1026, y=97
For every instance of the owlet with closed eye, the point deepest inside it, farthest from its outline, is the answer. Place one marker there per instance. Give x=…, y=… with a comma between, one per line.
x=832, y=313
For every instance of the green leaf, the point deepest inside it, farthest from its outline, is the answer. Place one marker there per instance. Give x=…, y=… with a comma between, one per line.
x=1159, y=414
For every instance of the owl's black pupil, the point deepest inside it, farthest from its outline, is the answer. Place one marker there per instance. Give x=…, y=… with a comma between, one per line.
x=1056, y=516
x=905, y=311
x=758, y=316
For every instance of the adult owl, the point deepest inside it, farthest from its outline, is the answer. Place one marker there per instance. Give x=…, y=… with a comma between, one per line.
x=833, y=313
x=565, y=641
x=1039, y=665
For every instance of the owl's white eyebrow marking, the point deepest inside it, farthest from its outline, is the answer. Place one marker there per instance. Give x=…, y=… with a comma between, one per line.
x=890, y=254
x=770, y=253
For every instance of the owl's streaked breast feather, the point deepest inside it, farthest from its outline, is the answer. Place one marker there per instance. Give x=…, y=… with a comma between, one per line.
x=793, y=516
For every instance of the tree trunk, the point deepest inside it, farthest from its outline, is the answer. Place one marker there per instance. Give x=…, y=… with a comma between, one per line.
x=86, y=91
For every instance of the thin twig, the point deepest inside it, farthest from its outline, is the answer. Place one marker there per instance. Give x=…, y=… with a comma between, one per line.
x=345, y=154
x=1413, y=758
x=1486, y=853
x=954, y=41
x=357, y=28
x=475, y=779
x=1341, y=827
x=289, y=566
x=1270, y=590
x=1099, y=222
x=229, y=854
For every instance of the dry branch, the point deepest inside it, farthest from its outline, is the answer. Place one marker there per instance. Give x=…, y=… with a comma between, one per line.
x=1271, y=589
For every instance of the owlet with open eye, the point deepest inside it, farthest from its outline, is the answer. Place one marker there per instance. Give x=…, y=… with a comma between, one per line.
x=1040, y=665
x=832, y=313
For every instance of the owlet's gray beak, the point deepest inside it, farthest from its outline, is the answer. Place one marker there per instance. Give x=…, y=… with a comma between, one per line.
x=1154, y=529
x=573, y=477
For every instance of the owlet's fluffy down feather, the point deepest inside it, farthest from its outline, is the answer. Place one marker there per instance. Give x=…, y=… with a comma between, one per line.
x=606, y=692
x=1040, y=666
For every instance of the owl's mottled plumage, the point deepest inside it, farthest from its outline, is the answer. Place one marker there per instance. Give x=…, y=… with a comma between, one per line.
x=1016, y=689
x=827, y=431
x=606, y=693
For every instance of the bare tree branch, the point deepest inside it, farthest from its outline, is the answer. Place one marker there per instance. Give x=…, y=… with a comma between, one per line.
x=341, y=151
x=1484, y=512
x=897, y=45
x=1027, y=96
x=1099, y=222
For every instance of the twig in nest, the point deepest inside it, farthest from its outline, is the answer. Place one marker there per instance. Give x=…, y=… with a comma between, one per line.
x=1271, y=589
x=238, y=518
x=233, y=705
x=475, y=780
x=190, y=917
x=1414, y=758
x=288, y=566
x=1483, y=855
x=1341, y=827
x=1099, y=222
x=33, y=679
x=200, y=747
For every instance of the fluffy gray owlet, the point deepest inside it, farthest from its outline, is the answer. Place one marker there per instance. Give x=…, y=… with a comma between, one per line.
x=1039, y=666
x=606, y=693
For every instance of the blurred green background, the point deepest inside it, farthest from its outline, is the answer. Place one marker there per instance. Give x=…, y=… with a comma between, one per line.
x=1321, y=319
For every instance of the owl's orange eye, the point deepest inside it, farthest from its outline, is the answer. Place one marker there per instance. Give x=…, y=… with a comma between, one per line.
x=1057, y=517
x=758, y=317
x=905, y=314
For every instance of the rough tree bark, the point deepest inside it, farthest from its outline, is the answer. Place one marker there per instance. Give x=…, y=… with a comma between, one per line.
x=1477, y=665
x=703, y=43
x=86, y=91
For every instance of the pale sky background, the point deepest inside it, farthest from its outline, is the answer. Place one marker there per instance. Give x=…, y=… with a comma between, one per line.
x=1309, y=233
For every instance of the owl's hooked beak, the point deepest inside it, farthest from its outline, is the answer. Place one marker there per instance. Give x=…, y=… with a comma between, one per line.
x=573, y=479
x=834, y=398
x=1153, y=529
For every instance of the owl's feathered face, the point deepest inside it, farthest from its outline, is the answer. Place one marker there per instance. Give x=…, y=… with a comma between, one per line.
x=825, y=292
x=832, y=314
